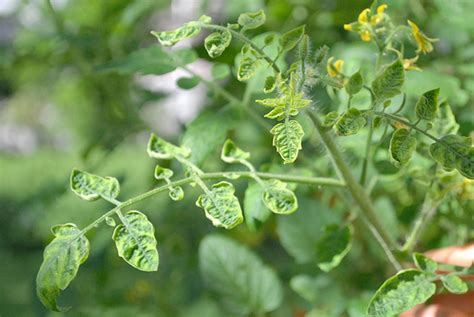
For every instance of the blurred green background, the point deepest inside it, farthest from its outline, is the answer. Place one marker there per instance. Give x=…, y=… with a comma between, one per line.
x=57, y=111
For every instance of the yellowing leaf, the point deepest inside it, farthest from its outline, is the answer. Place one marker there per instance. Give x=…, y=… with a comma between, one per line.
x=61, y=261
x=402, y=147
x=135, y=241
x=455, y=152
x=160, y=149
x=246, y=69
x=389, y=83
x=91, y=187
x=231, y=153
x=287, y=137
x=216, y=43
x=190, y=29
x=350, y=122
x=401, y=292
x=221, y=206
x=279, y=199
x=427, y=106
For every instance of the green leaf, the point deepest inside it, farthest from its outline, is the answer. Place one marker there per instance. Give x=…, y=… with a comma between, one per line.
x=350, y=122
x=291, y=38
x=427, y=106
x=389, y=83
x=454, y=284
x=216, y=43
x=330, y=119
x=163, y=173
x=401, y=292
x=160, y=149
x=91, y=187
x=221, y=205
x=207, y=132
x=220, y=71
x=61, y=261
x=270, y=84
x=135, y=241
x=278, y=198
x=255, y=211
x=455, y=152
x=176, y=193
x=246, y=68
x=188, y=82
x=150, y=60
x=231, y=153
x=424, y=263
x=110, y=221
x=354, y=84
x=188, y=30
x=287, y=139
x=245, y=285
x=333, y=245
x=402, y=147
x=301, y=232
x=252, y=20
x=445, y=122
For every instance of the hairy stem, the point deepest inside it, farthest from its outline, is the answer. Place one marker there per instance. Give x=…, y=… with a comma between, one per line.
x=358, y=193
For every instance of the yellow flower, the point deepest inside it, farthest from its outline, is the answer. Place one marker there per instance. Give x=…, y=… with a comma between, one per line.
x=365, y=36
x=364, y=16
x=409, y=63
x=348, y=27
x=422, y=41
x=334, y=68
x=377, y=18
x=381, y=8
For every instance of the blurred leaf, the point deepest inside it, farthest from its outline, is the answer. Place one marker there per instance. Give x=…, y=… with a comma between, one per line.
x=152, y=60
x=188, y=82
x=244, y=283
x=216, y=43
x=454, y=284
x=424, y=263
x=220, y=71
x=252, y=20
x=255, y=211
x=402, y=147
x=291, y=38
x=333, y=245
x=61, y=261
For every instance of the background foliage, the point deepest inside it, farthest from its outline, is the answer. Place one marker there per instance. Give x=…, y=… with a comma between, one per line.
x=61, y=106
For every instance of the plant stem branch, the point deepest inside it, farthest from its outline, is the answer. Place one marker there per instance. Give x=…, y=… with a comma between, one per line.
x=358, y=193
x=365, y=163
x=319, y=181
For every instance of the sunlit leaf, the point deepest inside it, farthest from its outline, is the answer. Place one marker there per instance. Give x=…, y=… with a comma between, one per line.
x=279, y=199
x=389, y=83
x=231, y=153
x=216, y=43
x=61, y=261
x=291, y=38
x=135, y=241
x=244, y=284
x=427, y=106
x=402, y=147
x=221, y=205
x=401, y=292
x=91, y=187
x=333, y=245
x=252, y=20
x=287, y=137
x=350, y=122
x=161, y=149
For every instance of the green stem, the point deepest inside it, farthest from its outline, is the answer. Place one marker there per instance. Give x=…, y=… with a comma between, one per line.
x=244, y=39
x=427, y=211
x=358, y=193
x=365, y=164
x=319, y=181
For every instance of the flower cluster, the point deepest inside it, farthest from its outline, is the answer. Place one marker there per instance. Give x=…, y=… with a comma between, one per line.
x=367, y=23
